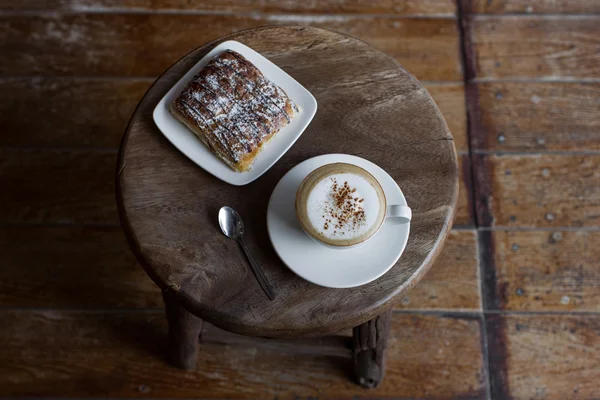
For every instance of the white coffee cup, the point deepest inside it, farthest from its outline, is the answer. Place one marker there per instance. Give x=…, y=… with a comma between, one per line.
x=342, y=205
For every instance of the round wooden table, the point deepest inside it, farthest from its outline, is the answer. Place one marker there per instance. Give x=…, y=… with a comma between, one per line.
x=369, y=106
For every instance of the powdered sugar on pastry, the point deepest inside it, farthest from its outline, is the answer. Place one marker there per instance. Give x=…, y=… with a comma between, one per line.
x=233, y=108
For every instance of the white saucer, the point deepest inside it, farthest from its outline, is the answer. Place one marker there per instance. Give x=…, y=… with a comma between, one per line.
x=326, y=266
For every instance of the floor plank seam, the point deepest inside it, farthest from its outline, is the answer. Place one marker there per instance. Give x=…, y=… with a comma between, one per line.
x=86, y=78
x=464, y=227
x=288, y=17
x=536, y=153
x=545, y=312
x=536, y=16
x=58, y=224
x=486, y=279
x=547, y=79
x=539, y=229
x=472, y=109
x=466, y=51
x=485, y=356
x=97, y=150
x=88, y=311
x=495, y=331
x=456, y=313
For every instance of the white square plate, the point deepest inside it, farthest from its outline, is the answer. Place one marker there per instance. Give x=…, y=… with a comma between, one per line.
x=189, y=144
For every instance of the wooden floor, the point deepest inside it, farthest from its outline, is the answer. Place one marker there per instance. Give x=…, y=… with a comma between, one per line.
x=511, y=310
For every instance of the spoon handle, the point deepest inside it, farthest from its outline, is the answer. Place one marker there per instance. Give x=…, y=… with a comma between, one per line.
x=258, y=273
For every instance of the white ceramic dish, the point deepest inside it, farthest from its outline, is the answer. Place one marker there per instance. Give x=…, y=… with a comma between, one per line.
x=323, y=265
x=189, y=144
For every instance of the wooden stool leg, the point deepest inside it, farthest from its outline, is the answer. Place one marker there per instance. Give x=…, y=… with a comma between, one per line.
x=184, y=333
x=369, y=344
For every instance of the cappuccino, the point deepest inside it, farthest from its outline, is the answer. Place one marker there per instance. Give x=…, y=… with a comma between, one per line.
x=340, y=204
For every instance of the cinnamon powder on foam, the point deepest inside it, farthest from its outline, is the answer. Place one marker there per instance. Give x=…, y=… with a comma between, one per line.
x=346, y=210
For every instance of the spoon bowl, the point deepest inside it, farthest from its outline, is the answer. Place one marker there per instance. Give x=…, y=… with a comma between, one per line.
x=231, y=223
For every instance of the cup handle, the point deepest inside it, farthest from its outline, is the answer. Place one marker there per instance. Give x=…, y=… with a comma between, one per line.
x=404, y=213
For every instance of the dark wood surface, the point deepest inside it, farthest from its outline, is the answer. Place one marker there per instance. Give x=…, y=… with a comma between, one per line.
x=120, y=354
x=80, y=318
x=83, y=113
x=89, y=112
x=445, y=8
x=555, y=270
x=525, y=190
x=553, y=49
x=368, y=106
x=145, y=44
x=450, y=98
x=185, y=332
x=452, y=283
x=58, y=186
x=545, y=356
x=539, y=116
x=533, y=6
x=369, y=350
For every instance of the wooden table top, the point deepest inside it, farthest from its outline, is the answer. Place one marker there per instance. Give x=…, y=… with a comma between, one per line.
x=369, y=106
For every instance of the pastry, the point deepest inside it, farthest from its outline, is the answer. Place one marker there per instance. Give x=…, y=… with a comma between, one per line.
x=233, y=109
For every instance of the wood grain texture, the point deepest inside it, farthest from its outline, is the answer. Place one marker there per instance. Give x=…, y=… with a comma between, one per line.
x=450, y=98
x=536, y=47
x=93, y=113
x=464, y=209
x=54, y=353
x=545, y=191
x=539, y=117
x=452, y=283
x=146, y=44
x=185, y=332
x=393, y=7
x=84, y=113
x=71, y=267
x=547, y=356
x=369, y=350
x=173, y=228
x=547, y=271
x=57, y=186
x=533, y=6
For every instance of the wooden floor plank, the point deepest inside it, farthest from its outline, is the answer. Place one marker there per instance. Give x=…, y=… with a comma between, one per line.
x=145, y=44
x=57, y=186
x=547, y=271
x=544, y=356
x=67, y=112
x=544, y=191
x=116, y=354
x=450, y=98
x=452, y=283
x=534, y=6
x=93, y=113
x=464, y=210
x=73, y=268
x=539, y=117
x=405, y=7
x=72, y=186
x=537, y=47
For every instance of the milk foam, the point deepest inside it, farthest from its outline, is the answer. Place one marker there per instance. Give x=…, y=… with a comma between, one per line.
x=322, y=207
